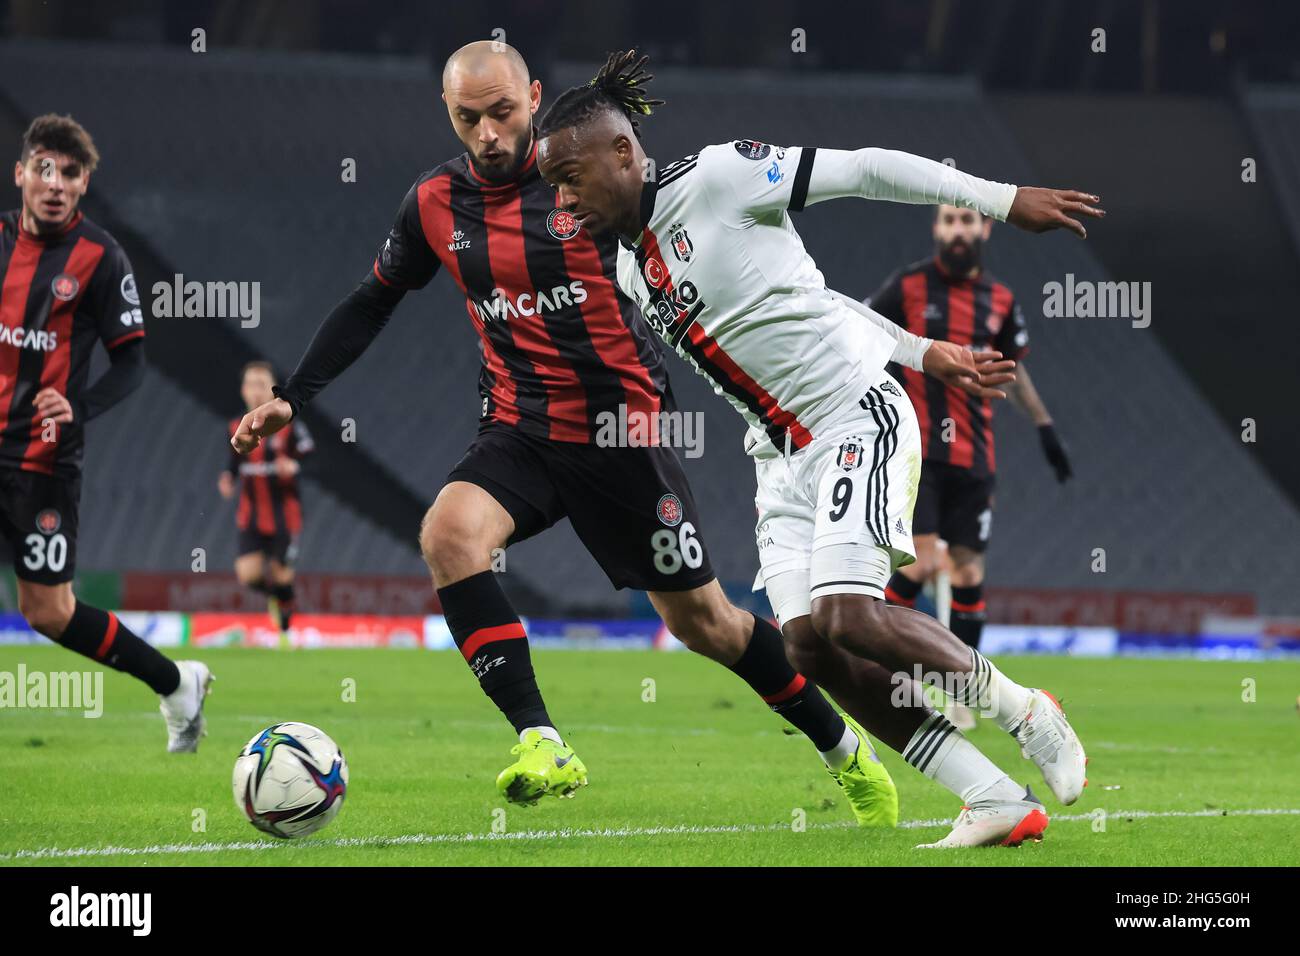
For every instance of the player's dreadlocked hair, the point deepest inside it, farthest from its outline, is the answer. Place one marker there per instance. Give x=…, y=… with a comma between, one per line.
x=620, y=85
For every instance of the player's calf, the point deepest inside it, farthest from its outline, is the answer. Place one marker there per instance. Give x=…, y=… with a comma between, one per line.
x=705, y=621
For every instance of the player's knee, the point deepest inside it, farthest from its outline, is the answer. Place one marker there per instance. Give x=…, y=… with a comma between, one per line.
x=47, y=613
x=967, y=570
x=249, y=576
x=452, y=546
x=849, y=621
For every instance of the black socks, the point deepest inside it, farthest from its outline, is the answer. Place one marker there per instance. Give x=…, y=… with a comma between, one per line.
x=493, y=643
x=100, y=636
x=765, y=668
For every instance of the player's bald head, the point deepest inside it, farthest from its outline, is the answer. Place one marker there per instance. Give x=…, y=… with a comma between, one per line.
x=484, y=63
x=491, y=101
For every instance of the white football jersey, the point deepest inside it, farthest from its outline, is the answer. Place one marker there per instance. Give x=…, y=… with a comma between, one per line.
x=721, y=274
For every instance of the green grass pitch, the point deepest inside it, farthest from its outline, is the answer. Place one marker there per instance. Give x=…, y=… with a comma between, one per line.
x=1187, y=771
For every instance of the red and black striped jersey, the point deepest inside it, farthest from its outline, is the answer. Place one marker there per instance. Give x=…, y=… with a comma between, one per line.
x=268, y=501
x=561, y=345
x=59, y=295
x=979, y=312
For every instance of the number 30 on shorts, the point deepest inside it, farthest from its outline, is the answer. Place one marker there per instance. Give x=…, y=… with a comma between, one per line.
x=674, y=548
x=43, y=552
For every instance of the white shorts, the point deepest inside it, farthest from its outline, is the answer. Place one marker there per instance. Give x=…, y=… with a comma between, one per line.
x=836, y=516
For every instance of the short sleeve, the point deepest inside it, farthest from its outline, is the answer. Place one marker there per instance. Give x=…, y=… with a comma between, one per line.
x=116, y=300
x=405, y=260
x=749, y=179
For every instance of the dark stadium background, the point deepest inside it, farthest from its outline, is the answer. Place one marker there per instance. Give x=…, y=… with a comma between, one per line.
x=225, y=165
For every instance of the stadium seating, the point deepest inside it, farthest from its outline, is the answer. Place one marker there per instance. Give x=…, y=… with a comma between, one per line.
x=245, y=184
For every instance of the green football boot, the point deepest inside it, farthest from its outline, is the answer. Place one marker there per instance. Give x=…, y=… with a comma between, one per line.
x=544, y=767
x=867, y=783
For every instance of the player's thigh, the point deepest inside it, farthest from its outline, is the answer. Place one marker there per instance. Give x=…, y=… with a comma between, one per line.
x=498, y=493
x=865, y=492
x=280, y=552
x=966, y=518
x=967, y=566
x=634, y=511
x=784, y=534
x=926, y=547
x=250, y=566
x=279, y=571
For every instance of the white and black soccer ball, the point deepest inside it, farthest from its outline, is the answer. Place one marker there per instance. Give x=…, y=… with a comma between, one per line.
x=290, y=780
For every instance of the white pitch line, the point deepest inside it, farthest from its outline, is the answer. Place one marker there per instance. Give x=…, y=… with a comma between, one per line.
x=424, y=839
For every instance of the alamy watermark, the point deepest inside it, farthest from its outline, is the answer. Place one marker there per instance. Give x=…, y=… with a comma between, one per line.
x=1085, y=299
x=58, y=690
x=632, y=428
x=910, y=689
x=180, y=299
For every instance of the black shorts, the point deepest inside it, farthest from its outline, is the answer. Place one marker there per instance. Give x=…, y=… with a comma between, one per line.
x=631, y=507
x=38, y=520
x=956, y=504
x=281, y=547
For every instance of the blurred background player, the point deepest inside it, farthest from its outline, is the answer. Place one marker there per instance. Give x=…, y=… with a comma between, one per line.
x=950, y=297
x=65, y=284
x=269, y=515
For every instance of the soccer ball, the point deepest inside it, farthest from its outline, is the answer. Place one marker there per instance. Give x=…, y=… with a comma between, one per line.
x=290, y=780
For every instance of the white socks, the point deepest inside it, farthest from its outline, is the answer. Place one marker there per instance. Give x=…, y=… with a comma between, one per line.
x=838, y=757
x=940, y=752
x=550, y=733
x=993, y=694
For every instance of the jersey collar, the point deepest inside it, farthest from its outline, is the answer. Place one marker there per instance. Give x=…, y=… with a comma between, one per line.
x=649, y=191
x=47, y=238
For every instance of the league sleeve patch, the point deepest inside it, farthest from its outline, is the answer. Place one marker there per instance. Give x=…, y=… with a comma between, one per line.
x=752, y=149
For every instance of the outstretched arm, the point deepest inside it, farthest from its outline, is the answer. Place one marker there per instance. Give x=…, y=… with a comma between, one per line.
x=800, y=176
x=340, y=340
x=405, y=261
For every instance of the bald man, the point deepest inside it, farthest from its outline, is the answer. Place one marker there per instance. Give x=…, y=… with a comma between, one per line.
x=563, y=351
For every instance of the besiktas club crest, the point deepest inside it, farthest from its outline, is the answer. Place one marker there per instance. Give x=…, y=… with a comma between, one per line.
x=850, y=454
x=670, y=510
x=683, y=248
x=561, y=224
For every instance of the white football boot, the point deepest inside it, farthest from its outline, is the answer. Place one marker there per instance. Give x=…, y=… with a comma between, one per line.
x=182, y=709
x=996, y=823
x=1046, y=738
